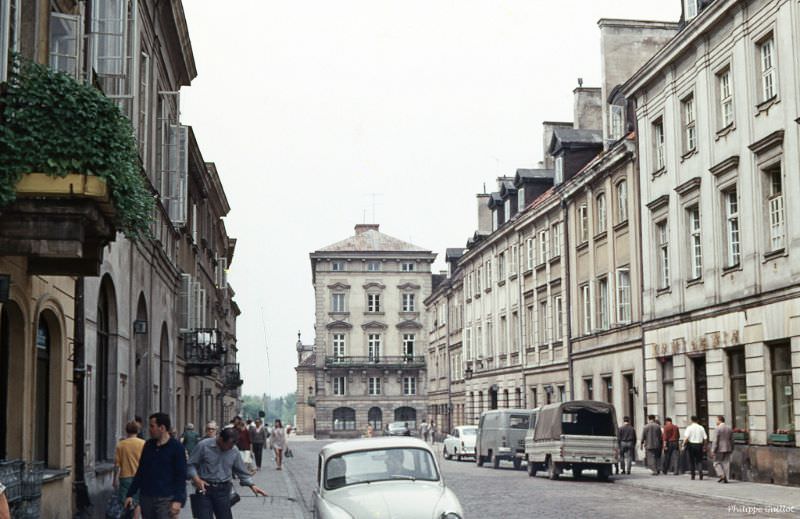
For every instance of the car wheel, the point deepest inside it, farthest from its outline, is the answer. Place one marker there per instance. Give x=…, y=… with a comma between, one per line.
x=517, y=463
x=458, y=455
x=604, y=472
x=552, y=469
x=531, y=469
x=577, y=473
x=444, y=453
x=495, y=461
x=478, y=460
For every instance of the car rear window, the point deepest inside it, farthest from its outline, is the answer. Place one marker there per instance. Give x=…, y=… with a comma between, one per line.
x=518, y=421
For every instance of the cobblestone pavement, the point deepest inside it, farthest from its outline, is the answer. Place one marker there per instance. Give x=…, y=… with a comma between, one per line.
x=504, y=493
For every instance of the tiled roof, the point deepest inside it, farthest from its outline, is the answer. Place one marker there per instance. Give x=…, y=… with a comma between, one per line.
x=309, y=361
x=372, y=240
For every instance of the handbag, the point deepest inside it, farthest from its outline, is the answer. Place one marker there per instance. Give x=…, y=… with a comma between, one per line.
x=114, y=506
x=289, y=453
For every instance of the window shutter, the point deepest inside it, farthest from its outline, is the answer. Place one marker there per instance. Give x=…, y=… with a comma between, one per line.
x=201, y=320
x=195, y=308
x=185, y=301
x=178, y=183
x=108, y=32
x=65, y=43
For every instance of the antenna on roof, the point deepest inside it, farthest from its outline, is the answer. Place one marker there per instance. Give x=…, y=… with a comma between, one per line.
x=484, y=188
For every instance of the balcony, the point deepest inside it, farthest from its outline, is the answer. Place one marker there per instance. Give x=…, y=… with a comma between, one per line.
x=382, y=361
x=233, y=378
x=203, y=351
x=311, y=401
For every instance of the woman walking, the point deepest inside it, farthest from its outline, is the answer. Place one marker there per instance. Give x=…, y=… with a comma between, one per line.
x=278, y=438
x=258, y=437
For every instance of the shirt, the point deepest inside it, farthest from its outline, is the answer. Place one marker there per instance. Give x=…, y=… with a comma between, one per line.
x=189, y=440
x=695, y=433
x=671, y=433
x=278, y=438
x=259, y=435
x=126, y=456
x=651, y=436
x=244, y=439
x=162, y=471
x=627, y=433
x=213, y=464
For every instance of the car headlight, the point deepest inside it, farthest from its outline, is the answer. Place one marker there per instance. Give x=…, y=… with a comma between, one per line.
x=450, y=515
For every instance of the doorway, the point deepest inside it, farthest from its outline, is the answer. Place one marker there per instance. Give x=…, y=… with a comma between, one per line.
x=493, y=396
x=700, y=390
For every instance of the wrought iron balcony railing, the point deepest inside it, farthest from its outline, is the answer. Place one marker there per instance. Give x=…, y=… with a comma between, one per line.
x=233, y=378
x=203, y=350
x=381, y=361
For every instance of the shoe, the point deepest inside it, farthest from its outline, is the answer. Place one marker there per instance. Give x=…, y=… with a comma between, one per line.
x=692, y=477
x=724, y=480
x=720, y=480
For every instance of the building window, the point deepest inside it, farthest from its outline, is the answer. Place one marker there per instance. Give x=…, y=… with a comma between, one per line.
x=344, y=419
x=544, y=246
x=782, y=390
x=692, y=8
x=407, y=266
x=658, y=144
x=489, y=274
x=602, y=303
x=337, y=266
x=64, y=43
x=530, y=247
x=408, y=345
x=468, y=343
x=501, y=266
x=521, y=199
x=42, y=392
x=375, y=416
x=775, y=208
x=586, y=302
x=558, y=317
x=507, y=208
x=374, y=386
x=478, y=280
x=339, y=386
x=737, y=373
x=616, y=122
x=583, y=218
x=557, y=236
x=409, y=303
x=608, y=389
x=689, y=124
x=543, y=335
x=409, y=385
x=512, y=260
x=373, y=302
x=725, y=98
x=588, y=385
x=668, y=386
x=623, y=295
x=338, y=347
x=662, y=237
x=766, y=51
x=559, y=174
x=495, y=222
x=731, y=202
x=562, y=394
x=374, y=347
x=143, y=128
x=622, y=201
x=601, y=213
x=337, y=303
x=695, y=244
x=489, y=339
x=373, y=266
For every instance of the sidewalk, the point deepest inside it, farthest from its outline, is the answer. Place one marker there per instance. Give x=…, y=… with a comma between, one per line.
x=760, y=495
x=282, y=501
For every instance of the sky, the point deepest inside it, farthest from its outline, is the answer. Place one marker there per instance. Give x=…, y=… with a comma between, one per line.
x=323, y=114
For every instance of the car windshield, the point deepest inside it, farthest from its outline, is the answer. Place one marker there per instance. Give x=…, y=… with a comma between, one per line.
x=472, y=431
x=407, y=463
x=397, y=426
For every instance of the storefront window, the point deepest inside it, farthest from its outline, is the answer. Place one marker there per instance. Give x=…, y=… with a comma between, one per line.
x=668, y=387
x=782, y=392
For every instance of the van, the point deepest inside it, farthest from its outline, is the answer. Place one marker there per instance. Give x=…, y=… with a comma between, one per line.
x=501, y=436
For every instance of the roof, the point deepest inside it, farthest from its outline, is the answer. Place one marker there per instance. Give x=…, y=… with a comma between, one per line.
x=366, y=444
x=369, y=239
x=453, y=253
x=309, y=362
x=567, y=137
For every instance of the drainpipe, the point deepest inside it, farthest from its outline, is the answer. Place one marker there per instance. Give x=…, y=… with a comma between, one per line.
x=565, y=268
x=82, y=502
x=449, y=363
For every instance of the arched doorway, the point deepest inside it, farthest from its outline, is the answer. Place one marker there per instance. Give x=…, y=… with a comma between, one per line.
x=375, y=418
x=105, y=388
x=12, y=340
x=41, y=425
x=142, y=362
x=344, y=419
x=406, y=414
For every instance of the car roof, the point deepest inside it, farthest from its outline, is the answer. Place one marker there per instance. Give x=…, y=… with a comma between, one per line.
x=467, y=427
x=365, y=444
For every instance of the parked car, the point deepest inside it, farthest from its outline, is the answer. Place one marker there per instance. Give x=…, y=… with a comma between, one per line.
x=397, y=429
x=460, y=442
x=578, y=435
x=501, y=436
x=382, y=478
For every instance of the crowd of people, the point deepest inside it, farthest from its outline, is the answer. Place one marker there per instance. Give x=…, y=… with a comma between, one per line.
x=150, y=476
x=663, y=447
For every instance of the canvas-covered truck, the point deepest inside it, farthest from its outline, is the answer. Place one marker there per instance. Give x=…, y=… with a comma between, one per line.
x=578, y=435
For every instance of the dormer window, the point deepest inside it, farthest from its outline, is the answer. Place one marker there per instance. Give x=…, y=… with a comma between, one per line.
x=520, y=199
x=559, y=169
x=692, y=9
x=373, y=266
x=495, y=220
x=507, y=206
x=616, y=122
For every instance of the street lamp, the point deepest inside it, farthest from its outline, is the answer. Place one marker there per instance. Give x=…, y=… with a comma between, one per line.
x=468, y=373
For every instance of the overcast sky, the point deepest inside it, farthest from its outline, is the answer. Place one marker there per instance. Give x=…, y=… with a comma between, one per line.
x=320, y=114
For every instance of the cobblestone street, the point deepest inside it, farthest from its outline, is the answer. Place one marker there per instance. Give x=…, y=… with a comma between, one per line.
x=507, y=493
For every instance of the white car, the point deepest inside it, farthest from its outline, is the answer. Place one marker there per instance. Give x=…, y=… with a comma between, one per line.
x=382, y=478
x=460, y=442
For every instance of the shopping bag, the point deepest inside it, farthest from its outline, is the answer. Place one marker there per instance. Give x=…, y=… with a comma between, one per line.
x=114, y=506
x=249, y=462
x=289, y=453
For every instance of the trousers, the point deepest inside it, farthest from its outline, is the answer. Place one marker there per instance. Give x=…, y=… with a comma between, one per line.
x=215, y=502
x=671, y=457
x=722, y=464
x=155, y=507
x=696, y=458
x=626, y=455
x=258, y=450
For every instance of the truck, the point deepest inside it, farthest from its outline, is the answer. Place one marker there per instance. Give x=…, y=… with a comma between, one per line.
x=501, y=436
x=578, y=435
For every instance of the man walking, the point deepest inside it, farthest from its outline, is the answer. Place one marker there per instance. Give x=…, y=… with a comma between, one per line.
x=161, y=476
x=694, y=439
x=651, y=441
x=627, y=444
x=126, y=462
x=671, y=446
x=721, y=450
x=189, y=438
x=212, y=465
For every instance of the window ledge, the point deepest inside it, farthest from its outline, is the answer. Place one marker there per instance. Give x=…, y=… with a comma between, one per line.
x=657, y=173
x=686, y=156
x=764, y=106
x=731, y=269
x=725, y=131
x=374, y=313
x=777, y=253
x=621, y=225
x=512, y=277
x=555, y=259
x=662, y=291
x=54, y=475
x=600, y=236
x=501, y=283
x=528, y=272
x=541, y=265
x=693, y=282
x=339, y=314
x=487, y=290
x=582, y=246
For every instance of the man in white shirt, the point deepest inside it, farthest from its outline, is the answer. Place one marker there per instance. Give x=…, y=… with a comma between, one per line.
x=694, y=439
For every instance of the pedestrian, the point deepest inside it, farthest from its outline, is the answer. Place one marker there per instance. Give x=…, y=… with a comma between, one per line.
x=138, y=420
x=627, y=444
x=5, y=513
x=432, y=428
x=671, y=446
x=278, y=438
x=258, y=437
x=721, y=449
x=694, y=439
x=423, y=430
x=243, y=443
x=161, y=476
x=212, y=466
x=651, y=441
x=189, y=438
x=126, y=462
x=211, y=429
x=370, y=431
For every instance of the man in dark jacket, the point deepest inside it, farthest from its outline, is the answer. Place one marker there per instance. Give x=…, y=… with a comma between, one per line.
x=652, y=442
x=627, y=444
x=161, y=476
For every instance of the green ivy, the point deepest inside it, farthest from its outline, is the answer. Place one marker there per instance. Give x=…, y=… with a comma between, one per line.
x=51, y=123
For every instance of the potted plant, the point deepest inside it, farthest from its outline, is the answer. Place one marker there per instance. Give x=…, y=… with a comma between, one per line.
x=782, y=436
x=740, y=435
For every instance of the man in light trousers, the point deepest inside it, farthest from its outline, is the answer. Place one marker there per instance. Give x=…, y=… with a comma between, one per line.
x=721, y=449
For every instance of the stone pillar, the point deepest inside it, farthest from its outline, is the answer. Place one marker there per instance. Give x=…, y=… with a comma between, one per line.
x=650, y=393
x=756, y=392
x=796, y=385
x=715, y=376
x=681, y=383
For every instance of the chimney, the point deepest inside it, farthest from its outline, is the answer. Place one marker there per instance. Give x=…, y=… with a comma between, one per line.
x=547, y=136
x=588, y=114
x=361, y=228
x=484, y=213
